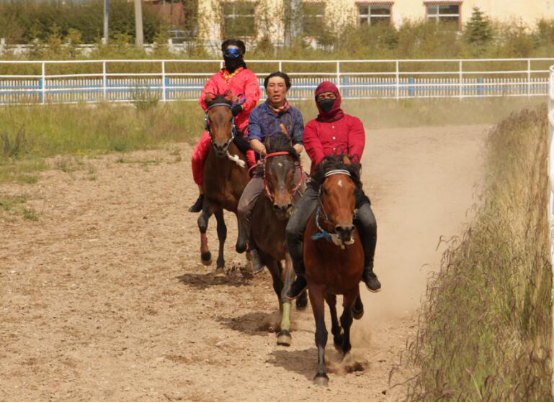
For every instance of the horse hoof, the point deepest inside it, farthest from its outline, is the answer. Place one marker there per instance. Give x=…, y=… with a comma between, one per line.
x=357, y=314
x=321, y=380
x=219, y=272
x=358, y=309
x=302, y=301
x=284, y=338
x=206, y=258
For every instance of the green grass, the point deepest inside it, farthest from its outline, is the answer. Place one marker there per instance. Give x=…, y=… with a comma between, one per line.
x=13, y=206
x=485, y=329
x=95, y=129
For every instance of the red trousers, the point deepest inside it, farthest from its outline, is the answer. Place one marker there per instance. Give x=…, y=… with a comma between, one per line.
x=201, y=153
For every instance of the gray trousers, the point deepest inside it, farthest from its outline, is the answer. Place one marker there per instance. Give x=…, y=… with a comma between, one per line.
x=250, y=195
x=364, y=221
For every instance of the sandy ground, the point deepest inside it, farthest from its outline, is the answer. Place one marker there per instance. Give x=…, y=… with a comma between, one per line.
x=103, y=298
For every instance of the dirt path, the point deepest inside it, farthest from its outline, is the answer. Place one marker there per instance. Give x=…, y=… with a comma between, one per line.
x=103, y=297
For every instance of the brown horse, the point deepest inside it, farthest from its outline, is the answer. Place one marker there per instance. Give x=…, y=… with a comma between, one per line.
x=270, y=217
x=333, y=255
x=225, y=175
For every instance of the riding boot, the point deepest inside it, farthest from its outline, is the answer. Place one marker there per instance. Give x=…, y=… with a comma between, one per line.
x=299, y=285
x=198, y=204
x=367, y=228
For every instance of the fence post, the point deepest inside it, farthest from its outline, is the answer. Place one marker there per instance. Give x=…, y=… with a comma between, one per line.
x=280, y=65
x=338, y=74
x=397, y=79
x=43, y=84
x=528, y=77
x=461, y=79
x=550, y=185
x=104, y=81
x=164, y=96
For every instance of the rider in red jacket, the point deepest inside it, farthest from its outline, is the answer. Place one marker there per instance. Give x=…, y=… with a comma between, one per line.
x=243, y=85
x=333, y=132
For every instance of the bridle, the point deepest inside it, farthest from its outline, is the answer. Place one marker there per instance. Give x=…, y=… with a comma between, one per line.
x=235, y=158
x=207, y=126
x=323, y=234
x=266, y=187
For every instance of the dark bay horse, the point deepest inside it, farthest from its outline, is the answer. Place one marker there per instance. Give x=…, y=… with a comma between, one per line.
x=333, y=255
x=225, y=174
x=270, y=217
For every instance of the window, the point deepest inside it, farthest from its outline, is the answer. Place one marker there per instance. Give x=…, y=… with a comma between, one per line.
x=448, y=13
x=375, y=14
x=312, y=18
x=238, y=19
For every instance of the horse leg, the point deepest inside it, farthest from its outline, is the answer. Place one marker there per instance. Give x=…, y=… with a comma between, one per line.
x=317, y=299
x=203, y=218
x=335, y=327
x=222, y=236
x=346, y=318
x=284, y=337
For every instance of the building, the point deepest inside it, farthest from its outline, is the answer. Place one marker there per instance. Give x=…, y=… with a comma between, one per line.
x=253, y=20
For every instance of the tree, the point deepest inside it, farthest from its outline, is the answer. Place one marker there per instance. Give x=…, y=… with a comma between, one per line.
x=478, y=30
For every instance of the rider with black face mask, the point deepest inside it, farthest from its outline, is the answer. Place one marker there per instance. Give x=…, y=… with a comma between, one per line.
x=242, y=83
x=333, y=132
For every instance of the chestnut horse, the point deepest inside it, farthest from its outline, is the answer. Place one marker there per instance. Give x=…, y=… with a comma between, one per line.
x=270, y=217
x=225, y=175
x=333, y=255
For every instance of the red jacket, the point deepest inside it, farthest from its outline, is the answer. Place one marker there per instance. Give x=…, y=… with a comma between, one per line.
x=333, y=132
x=243, y=83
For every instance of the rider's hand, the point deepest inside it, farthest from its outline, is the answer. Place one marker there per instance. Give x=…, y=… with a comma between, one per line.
x=236, y=109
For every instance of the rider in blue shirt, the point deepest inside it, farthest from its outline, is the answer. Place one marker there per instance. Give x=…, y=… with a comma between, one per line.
x=270, y=118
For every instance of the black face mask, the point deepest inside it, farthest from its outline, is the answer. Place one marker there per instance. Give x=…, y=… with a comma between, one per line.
x=231, y=64
x=326, y=105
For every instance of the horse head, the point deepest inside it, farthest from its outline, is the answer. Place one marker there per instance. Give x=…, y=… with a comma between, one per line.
x=280, y=166
x=220, y=122
x=338, y=181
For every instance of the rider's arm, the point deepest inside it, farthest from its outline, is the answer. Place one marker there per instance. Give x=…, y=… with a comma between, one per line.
x=209, y=88
x=252, y=93
x=255, y=133
x=298, y=133
x=356, y=138
x=312, y=143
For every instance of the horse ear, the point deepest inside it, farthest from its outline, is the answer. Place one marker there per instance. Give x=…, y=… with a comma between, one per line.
x=283, y=129
x=228, y=96
x=346, y=160
x=208, y=99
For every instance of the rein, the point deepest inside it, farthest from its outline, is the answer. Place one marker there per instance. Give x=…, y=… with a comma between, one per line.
x=322, y=234
x=277, y=154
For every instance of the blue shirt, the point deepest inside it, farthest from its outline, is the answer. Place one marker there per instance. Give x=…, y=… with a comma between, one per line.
x=264, y=122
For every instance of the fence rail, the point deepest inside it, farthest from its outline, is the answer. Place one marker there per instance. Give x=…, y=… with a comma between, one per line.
x=172, y=80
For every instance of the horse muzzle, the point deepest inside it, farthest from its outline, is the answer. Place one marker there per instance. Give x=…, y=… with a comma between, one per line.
x=221, y=149
x=282, y=211
x=345, y=233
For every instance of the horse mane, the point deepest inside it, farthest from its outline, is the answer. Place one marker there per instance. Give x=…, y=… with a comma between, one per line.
x=219, y=99
x=281, y=142
x=330, y=162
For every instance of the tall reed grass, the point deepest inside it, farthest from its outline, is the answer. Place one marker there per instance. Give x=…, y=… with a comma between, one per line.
x=486, y=326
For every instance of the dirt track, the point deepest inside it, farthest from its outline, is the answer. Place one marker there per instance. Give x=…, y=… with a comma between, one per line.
x=104, y=298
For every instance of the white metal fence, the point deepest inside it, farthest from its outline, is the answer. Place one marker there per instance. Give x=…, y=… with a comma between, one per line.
x=171, y=80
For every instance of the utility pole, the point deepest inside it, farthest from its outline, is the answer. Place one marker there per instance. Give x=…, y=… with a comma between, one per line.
x=139, y=32
x=106, y=21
